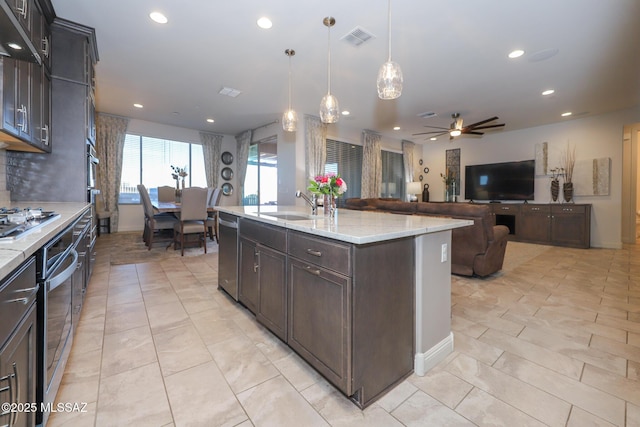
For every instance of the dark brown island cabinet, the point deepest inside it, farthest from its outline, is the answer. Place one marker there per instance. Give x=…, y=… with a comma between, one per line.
x=347, y=309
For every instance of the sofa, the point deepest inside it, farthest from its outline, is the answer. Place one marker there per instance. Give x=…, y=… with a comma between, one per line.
x=475, y=250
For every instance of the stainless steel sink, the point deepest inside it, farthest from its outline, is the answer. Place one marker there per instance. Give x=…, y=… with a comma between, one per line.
x=290, y=216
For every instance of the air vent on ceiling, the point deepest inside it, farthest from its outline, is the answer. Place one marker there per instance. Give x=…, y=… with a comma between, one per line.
x=357, y=36
x=427, y=114
x=231, y=92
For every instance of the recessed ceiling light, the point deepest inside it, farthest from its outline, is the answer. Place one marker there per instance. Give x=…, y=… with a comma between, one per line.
x=396, y=128
x=210, y=120
x=138, y=105
x=265, y=23
x=516, y=53
x=345, y=112
x=158, y=17
x=548, y=92
x=567, y=114
x=433, y=138
x=14, y=46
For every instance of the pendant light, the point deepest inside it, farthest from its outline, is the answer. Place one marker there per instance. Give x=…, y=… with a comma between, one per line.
x=289, y=118
x=390, y=75
x=329, y=110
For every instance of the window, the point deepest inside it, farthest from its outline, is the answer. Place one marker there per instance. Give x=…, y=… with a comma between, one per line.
x=393, y=184
x=148, y=161
x=261, y=180
x=346, y=160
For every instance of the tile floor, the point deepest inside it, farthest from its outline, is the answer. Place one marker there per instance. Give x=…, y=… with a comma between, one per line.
x=552, y=340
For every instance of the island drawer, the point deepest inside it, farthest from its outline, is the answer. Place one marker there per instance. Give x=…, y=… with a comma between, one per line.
x=267, y=235
x=322, y=252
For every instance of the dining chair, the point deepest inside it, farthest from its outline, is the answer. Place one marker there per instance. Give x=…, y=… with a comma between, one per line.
x=166, y=193
x=153, y=222
x=193, y=217
x=212, y=218
x=103, y=216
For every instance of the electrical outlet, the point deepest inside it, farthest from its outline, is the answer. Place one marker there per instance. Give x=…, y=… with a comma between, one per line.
x=443, y=254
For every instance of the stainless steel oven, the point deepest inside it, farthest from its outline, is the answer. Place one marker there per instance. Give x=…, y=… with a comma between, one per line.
x=57, y=262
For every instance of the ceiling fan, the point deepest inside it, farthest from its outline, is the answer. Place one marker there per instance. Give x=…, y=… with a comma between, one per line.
x=457, y=128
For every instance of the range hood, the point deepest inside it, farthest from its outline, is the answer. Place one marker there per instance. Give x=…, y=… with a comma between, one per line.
x=12, y=33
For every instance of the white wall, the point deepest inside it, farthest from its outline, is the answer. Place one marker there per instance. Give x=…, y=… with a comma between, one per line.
x=593, y=137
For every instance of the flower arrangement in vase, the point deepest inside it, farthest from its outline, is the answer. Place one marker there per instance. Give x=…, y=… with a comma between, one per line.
x=177, y=174
x=449, y=180
x=569, y=162
x=330, y=186
x=555, y=183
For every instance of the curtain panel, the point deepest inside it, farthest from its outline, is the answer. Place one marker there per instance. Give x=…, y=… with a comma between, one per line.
x=211, y=150
x=244, y=141
x=315, y=154
x=371, y=164
x=110, y=135
x=408, y=148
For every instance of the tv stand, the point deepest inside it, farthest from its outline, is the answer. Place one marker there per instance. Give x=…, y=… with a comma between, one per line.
x=551, y=224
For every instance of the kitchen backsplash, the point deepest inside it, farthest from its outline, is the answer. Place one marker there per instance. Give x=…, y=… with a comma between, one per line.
x=5, y=195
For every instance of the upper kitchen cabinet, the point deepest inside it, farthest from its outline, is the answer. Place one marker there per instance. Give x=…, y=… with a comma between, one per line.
x=26, y=90
x=65, y=168
x=74, y=59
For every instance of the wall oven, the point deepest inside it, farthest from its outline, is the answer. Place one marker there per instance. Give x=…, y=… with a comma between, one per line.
x=56, y=264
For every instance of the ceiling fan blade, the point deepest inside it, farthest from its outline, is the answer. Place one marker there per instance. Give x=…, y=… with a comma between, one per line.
x=436, y=127
x=489, y=126
x=473, y=133
x=482, y=122
x=433, y=131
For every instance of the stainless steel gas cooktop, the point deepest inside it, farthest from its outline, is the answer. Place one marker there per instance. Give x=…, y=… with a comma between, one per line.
x=16, y=223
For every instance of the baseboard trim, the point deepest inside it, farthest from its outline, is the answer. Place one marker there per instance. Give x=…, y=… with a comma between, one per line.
x=423, y=362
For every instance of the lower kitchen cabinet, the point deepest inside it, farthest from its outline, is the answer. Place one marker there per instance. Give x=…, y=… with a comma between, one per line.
x=348, y=310
x=262, y=274
x=18, y=345
x=319, y=323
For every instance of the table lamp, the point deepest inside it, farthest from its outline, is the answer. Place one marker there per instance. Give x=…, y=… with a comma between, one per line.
x=413, y=188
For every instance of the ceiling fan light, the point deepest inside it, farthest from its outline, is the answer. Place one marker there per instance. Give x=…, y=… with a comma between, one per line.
x=329, y=110
x=455, y=132
x=389, y=81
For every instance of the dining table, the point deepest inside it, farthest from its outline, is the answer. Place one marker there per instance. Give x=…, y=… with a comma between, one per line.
x=172, y=207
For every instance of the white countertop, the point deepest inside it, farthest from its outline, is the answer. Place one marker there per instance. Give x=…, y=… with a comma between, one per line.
x=14, y=252
x=359, y=227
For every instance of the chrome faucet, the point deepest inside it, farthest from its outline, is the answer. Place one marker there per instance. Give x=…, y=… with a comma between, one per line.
x=313, y=201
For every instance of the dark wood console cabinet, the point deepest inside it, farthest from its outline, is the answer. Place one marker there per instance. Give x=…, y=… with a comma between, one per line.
x=550, y=224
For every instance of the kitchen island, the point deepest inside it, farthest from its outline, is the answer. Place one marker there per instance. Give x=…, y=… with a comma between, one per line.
x=364, y=297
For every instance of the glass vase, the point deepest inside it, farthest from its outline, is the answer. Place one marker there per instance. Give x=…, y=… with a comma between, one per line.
x=329, y=205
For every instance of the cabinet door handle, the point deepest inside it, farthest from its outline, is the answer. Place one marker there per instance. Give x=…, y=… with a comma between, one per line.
x=45, y=47
x=45, y=139
x=28, y=298
x=314, y=252
x=22, y=10
x=256, y=267
x=23, y=126
x=310, y=270
x=16, y=379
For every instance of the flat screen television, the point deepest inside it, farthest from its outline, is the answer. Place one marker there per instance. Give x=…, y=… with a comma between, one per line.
x=500, y=181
